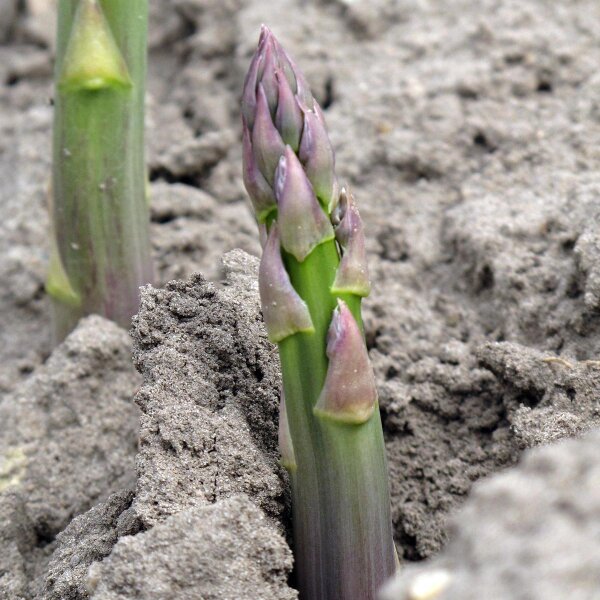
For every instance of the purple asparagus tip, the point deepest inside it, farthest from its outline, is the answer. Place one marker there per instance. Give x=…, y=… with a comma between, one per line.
x=349, y=394
x=269, y=60
x=278, y=110
x=302, y=222
x=284, y=312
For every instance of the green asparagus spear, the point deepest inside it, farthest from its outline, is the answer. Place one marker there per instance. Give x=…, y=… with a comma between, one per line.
x=312, y=278
x=101, y=250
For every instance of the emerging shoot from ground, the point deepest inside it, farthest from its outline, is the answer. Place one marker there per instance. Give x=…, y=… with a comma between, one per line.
x=312, y=278
x=99, y=209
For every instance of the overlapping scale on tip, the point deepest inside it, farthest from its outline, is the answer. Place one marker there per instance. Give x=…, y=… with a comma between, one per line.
x=301, y=87
x=259, y=190
x=284, y=311
x=317, y=156
x=352, y=276
x=268, y=77
x=288, y=118
x=286, y=448
x=291, y=72
x=249, y=89
x=267, y=144
x=349, y=394
x=303, y=224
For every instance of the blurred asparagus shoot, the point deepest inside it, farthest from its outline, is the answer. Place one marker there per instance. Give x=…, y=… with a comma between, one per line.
x=100, y=251
x=312, y=278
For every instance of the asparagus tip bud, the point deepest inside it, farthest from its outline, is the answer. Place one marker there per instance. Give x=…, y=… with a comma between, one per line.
x=284, y=311
x=286, y=448
x=349, y=394
x=352, y=276
x=302, y=222
x=92, y=59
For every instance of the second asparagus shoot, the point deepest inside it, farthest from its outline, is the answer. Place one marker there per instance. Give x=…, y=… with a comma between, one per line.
x=99, y=210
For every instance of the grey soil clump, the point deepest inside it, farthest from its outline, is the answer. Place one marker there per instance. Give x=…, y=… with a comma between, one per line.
x=68, y=439
x=210, y=397
x=88, y=539
x=224, y=551
x=468, y=132
x=529, y=533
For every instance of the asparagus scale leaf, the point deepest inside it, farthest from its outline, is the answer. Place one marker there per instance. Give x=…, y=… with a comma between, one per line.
x=312, y=278
x=100, y=219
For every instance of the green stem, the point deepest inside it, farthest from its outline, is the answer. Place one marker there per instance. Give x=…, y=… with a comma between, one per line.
x=342, y=524
x=99, y=209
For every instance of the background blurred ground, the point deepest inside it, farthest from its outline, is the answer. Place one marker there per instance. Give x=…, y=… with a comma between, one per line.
x=469, y=132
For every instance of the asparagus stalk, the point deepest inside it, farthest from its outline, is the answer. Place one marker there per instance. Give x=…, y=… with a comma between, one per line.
x=101, y=250
x=312, y=278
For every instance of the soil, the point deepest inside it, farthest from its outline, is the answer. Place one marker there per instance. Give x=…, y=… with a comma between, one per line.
x=469, y=134
x=530, y=532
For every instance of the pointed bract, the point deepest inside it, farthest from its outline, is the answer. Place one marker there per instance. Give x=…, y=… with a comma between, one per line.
x=302, y=222
x=284, y=312
x=249, y=90
x=268, y=76
x=286, y=448
x=352, y=276
x=92, y=59
x=285, y=66
x=260, y=192
x=58, y=285
x=319, y=112
x=264, y=32
x=267, y=144
x=317, y=156
x=288, y=118
x=349, y=393
x=302, y=89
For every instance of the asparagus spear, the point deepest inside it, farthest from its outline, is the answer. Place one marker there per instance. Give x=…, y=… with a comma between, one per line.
x=312, y=278
x=101, y=250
